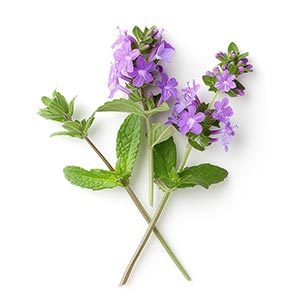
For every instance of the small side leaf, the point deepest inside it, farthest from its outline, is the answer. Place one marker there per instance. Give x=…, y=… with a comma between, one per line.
x=121, y=105
x=137, y=32
x=233, y=47
x=204, y=175
x=128, y=142
x=160, y=133
x=94, y=179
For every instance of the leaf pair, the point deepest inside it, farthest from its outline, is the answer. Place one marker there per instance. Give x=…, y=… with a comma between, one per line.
x=165, y=160
x=128, y=142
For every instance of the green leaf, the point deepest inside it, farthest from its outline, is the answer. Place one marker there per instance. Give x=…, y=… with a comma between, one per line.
x=196, y=145
x=57, y=108
x=46, y=100
x=71, y=107
x=233, y=47
x=204, y=175
x=239, y=85
x=59, y=133
x=74, y=127
x=160, y=133
x=243, y=55
x=94, y=179
x=163, y=107
x=88, y=123
x=165, y=158
x=232, y=69
x=137, y=32
x=128, y=142
x=209, y=80
x=122, y=105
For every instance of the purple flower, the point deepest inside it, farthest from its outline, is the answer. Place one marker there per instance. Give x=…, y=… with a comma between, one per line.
x=225, y=81
x=226, y=135
x=124, y=57
x=190, y=92
x=123, y=38
x=141, y=72
x=222, y=110
x=168, y=88
x=113, y=81
x=188, y=120
x=189, y=97
x=162, y=51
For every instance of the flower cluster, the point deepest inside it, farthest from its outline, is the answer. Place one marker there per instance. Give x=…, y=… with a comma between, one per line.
x=224, y=76
x=137, y=64
x=205, y=123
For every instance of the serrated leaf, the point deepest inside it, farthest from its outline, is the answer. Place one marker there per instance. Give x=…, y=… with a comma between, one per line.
x=233, y=47
x=204, y=175
x=164, y=161
x=160, y=133
x=94, y=179
x=121, y=105
x=163, y=107
x=128, y=142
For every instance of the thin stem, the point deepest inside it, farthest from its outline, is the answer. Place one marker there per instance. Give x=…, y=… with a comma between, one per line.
x=143, y=212
x=157, y=233
x=144, y=239
x=185, y=157
x=109, y=166
x=150, y=150
x=152, y=224
x=213, y=100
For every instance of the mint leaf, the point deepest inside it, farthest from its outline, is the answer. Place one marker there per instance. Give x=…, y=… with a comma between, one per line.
x=128, y=142
x=160, y=133
x=163, y=107
x=74, y=127
x=94, y=179
x=233, y=47
x=204, y=175
x=121, y=105
x=164, y=161
x=57, y=108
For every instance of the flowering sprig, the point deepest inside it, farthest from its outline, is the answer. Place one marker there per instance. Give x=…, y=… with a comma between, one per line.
x=138, y=72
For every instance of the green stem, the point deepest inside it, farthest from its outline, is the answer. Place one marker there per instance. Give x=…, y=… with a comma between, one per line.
x=143, y=212
x=144, y=239
x=150, y=150
x=185, y=157
x=213, y=100
x=152, y=224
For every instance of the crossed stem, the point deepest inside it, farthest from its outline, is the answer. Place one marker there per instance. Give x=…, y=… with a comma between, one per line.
x=143, y=212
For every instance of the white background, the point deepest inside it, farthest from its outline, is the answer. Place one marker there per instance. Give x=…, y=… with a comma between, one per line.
x=238, y=240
